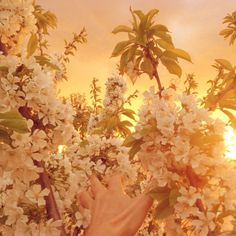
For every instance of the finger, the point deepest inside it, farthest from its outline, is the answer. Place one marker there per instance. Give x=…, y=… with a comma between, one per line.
x=85, y=200
x=96, y=186
x=115, y=183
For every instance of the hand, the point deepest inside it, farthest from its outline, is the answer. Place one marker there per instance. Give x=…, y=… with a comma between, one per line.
x=113, y=213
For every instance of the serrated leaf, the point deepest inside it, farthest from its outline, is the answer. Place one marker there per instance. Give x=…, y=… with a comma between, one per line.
x=122, y=28
x=225, y=64
x=171, y=66
x=120, y=47
x=32, y=45
x=181, y=53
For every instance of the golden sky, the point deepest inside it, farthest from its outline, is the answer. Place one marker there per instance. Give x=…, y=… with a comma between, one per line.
x=194, y=24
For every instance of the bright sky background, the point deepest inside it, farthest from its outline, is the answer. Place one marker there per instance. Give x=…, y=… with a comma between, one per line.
x=194, y=24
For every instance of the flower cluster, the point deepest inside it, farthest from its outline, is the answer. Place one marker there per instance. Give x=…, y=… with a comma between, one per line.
x=17, y=20
x=182, y=148
x=114, y=97
x=28, y=89
x=102, y=156
x=112, y=104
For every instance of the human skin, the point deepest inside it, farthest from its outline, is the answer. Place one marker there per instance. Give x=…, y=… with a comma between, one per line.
x=113, y=212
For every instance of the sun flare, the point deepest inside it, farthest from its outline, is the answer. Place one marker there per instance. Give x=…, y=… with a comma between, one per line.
x=230, y=142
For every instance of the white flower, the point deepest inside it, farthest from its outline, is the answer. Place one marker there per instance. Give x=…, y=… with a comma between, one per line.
x=36, y=195
x=14, y=214
x=50, y=228
x=83, y=218
x=204, y=224
x=189, y=196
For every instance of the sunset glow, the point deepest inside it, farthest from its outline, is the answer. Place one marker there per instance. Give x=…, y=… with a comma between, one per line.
x=230, y=141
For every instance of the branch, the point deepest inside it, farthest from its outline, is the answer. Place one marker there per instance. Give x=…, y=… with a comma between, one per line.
x=51, y=205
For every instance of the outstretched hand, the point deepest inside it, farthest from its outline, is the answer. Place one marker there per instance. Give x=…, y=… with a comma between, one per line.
x=113, y=213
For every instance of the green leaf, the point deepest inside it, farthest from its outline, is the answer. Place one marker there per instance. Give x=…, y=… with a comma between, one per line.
x=160, y=193
x=158, y=196
x=164, y=44
x=171, y=66
x=126, y=123
x=42, y=60
x=163, y=209
x=151, y=14
x=112, y=123
x=123, y=61
x=228, y=104
x=166, y=37
x=169, y=54
x=10, y=115
x=135, y=148
x=159, y=27
x=231, y=117
x=124, y=131
x=4, y=69
x=17, y=125
x=202, y=140
x=225, y=64
x=129, y=141
x=157, y=51
x=139, y=13
x=180, y=53
x=32, y=45
x=122, y=28
x=132, y=52
x=227, y=213
x=226, y=32
x=129, y=113
x=134, y=23
x=13, y=121
x=174, y=194
x=146, y=67
x=120, y=47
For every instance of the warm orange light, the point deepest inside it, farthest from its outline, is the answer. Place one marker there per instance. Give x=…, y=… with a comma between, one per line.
x=230, y=142
x=61, y=149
